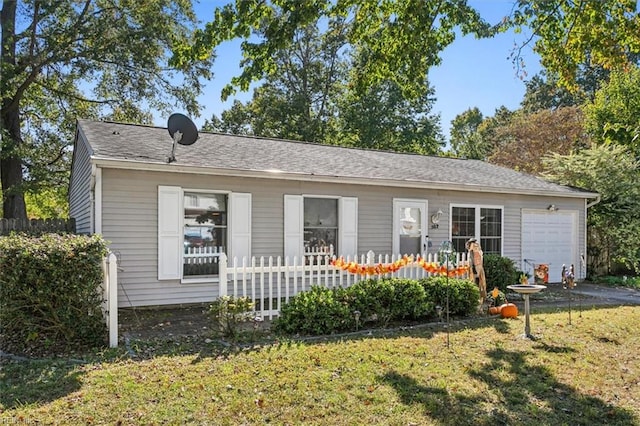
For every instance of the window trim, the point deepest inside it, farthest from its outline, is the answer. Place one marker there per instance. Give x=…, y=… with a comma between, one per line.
x=424, y=231
x=327, y=197
x=195, y=279
x=477, y=208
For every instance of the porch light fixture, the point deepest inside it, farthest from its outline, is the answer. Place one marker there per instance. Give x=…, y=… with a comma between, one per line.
x=435, y=219
x=552, y=208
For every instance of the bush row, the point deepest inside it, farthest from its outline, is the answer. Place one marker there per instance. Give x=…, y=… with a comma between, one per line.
x=376, y=302
x=50, y=294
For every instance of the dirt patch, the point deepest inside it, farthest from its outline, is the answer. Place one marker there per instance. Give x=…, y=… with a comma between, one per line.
x=194, y=320
x=165, y=322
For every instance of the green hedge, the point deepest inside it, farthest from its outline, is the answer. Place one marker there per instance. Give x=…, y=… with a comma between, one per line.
x=378, y=302
x=463, y=294
x=499, y=272
x=50, y=294
x=318, y=311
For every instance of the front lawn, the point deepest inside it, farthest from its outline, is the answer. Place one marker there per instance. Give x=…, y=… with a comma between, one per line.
x=581, y=374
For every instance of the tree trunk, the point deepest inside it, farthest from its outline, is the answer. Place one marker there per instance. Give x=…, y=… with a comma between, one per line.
x=13, y=205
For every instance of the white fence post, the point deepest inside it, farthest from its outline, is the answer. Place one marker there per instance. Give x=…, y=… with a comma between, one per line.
x=110, y=291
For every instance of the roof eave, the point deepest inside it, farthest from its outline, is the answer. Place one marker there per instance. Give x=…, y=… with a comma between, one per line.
x=278, y=174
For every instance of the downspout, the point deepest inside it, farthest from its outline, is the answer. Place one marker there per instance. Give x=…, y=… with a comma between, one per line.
x=96, y=199
x=594, y=202
x=92, y=200
x=587, y=206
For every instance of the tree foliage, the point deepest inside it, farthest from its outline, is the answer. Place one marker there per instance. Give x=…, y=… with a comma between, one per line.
x=297, y=101
x=465, y=140
x=570, y=35
x=527, y=138
x=403, y=38
x=489, y=127
x=613, y=223
x=90, y=58
x=310, y=97
x=383, y=118
x=544, y=94
x=614, y=114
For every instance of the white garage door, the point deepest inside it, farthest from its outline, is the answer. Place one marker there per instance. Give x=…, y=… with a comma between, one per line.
x=551, y=238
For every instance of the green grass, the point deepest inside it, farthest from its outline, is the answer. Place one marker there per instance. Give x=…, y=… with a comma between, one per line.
x=581, y=374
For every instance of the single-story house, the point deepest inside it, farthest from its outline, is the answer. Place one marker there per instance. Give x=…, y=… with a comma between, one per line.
x=251, y=196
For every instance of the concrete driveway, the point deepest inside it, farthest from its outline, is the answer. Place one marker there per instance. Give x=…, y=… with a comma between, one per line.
x=586, y=294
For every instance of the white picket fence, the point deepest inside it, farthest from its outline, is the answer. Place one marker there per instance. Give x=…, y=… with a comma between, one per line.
x=110, y=296
x=270, y=282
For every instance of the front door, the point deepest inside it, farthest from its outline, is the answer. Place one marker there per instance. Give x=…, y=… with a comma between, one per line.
x=409, y=226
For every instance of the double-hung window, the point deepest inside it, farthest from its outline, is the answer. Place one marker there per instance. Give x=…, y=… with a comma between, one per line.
x=205, y=232
x=195, y=227
x=318, y=224
x=484, y=223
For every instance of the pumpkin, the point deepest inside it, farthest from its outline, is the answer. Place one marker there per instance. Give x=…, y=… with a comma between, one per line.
x=494, y=310
x=509, y=310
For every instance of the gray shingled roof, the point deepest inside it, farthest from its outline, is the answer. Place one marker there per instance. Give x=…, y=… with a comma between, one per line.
x=152, y=145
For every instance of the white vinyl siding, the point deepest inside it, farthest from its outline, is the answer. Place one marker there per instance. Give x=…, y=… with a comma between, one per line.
x=80, y=204
x=130, y=212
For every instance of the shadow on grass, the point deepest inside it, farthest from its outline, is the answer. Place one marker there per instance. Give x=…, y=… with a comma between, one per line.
x=527, y=394
x=41, y=381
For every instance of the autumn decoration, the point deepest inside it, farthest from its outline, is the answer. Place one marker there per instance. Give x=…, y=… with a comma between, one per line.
x=494, y=297
x=386, y=268
x=376, y=269
x=508, y=310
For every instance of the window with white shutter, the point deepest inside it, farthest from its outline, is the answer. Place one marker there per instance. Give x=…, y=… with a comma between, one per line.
x=320, y=225
x=195, y=227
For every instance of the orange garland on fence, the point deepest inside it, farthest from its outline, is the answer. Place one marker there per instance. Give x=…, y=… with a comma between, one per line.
x=385, y=268
x=441, y=269
x=379, y=269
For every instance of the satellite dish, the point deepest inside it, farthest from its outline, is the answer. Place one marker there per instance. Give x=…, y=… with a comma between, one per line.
x=182, y=131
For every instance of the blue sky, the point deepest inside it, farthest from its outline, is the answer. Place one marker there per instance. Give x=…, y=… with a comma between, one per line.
x=473, y=73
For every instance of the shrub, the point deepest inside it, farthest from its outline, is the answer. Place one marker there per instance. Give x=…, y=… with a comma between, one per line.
x=50, y=292
x=616, y=281
x=229, y=312
x=463, y=294
x=499, y=272
x=410, y=300
x=379, y=301
x=317, y=311
x=373, y=298
x=389, y=299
